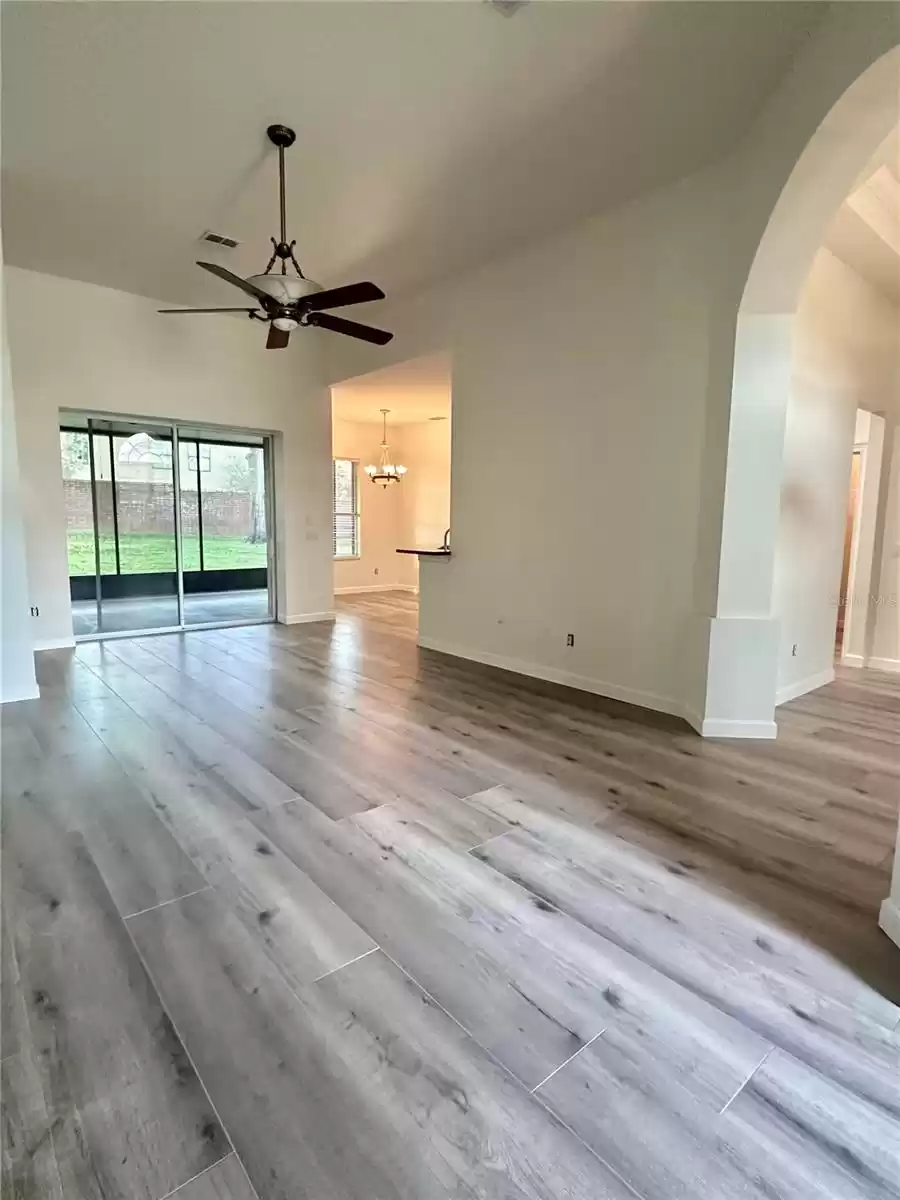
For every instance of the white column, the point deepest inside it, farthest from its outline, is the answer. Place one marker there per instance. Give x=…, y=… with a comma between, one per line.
x=17, y=678
x=882, y=637
x=739, y=641
x=889, y=917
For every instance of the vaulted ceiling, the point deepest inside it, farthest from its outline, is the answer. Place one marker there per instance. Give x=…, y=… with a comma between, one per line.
x=865, y=233
x=430, y=136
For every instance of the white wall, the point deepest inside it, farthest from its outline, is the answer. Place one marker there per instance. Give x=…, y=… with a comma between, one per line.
x=885, y=644
x=77, y=346
x=17, y=678
x=579, y=390
x=846, y=350
x=868, y=438
x=425, y=448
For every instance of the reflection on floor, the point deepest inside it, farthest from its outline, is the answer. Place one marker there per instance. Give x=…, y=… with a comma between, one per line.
x=159, y=612
x=361, y=920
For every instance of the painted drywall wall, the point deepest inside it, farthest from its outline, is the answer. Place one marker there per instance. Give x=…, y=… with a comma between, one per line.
x=846, y=350
x=425, y=446
x=113, y=352
x=17, y=678
x=885, y=604
x=381, y=519
x=868, y=437
x=579, y=378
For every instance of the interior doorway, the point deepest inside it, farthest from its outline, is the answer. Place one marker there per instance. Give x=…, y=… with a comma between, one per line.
x=850, y=528
x=392, y=448
x=169, y=526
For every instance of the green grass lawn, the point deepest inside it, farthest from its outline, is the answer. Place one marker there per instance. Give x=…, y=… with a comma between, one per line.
x=143, y=553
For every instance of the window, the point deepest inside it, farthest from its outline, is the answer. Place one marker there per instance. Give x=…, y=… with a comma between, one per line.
x=345, y=494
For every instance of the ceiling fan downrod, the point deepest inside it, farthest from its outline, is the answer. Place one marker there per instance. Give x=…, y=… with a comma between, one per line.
x=282, y=137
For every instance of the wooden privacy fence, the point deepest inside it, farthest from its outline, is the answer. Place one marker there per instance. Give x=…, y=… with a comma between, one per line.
x=148, y=508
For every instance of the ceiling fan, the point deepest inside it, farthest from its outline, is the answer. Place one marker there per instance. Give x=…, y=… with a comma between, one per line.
x=288, y=301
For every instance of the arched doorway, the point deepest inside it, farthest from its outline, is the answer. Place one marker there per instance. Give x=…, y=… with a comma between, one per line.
x=805, y=154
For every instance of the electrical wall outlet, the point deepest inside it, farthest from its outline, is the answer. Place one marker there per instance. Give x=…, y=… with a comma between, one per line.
x=376, y=570
x=35, y=611
x=570, y=639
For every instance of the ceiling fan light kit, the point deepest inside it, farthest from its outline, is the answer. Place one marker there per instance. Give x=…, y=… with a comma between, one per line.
x=288, y=301
x=385, y=471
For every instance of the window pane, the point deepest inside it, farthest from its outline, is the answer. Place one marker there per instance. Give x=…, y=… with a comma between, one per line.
x=145, y=495
x=76, y=473
x=103, y=472
x=187, y=479
x=346, y=512
x=233, y=500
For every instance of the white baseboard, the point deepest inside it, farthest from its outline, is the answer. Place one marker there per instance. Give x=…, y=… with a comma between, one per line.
x=889, y=919
x=306, y=618
x=713, y=727
x=375, y=587
x=802, y=686
x=613, y=691
x=66, y=643
x=582, y=683
x=884, y=664
x=876, y=664
x=27, y=693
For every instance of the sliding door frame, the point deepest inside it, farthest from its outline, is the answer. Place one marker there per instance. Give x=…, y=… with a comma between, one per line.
x=267, y=443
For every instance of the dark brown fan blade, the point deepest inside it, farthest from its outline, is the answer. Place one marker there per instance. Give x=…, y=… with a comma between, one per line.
x=352, y=293
x=251, y=289
x=338, y=325
x=206, y=310
x=277, y=339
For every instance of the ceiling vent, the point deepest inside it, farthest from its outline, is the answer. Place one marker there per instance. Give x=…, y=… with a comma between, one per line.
x=219, y=239
x=507, y=8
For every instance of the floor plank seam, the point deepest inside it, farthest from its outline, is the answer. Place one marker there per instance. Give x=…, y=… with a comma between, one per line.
x=492, y=838
x=190, y=1058
x=162, y=904
x=556, y=1070
x=494, y=1059
x=349, y=963
x=515, y=1079
x=731, y=1099
x=612, y=1170
x=199, y=1175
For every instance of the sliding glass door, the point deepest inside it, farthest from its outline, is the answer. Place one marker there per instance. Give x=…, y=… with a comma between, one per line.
x=224, y=530
x=168, y=527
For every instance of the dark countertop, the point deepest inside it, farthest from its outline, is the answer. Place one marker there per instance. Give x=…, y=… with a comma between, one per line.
x=434, y=553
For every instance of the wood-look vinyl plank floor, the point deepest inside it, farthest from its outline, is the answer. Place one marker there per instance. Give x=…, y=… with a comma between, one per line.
x=428, y=929
x=109, y=1086
x=358, y=1085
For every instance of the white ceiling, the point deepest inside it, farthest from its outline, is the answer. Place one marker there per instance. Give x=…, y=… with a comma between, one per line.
x=415, y=390
x=430, y=135
x=865, y=232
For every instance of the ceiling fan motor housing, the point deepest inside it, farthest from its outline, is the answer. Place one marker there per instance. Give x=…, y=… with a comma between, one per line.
x=286, y=289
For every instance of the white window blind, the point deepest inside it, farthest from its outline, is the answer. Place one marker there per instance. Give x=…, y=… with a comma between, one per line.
x=345, y=496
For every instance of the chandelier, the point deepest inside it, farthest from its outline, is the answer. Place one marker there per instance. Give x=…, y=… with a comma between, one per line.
x=386, y=471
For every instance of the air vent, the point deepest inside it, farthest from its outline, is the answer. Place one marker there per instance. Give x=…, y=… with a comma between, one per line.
x=507, y=8
x=219, y=239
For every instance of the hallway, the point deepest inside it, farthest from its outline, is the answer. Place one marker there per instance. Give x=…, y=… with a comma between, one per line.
x=312, y=908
